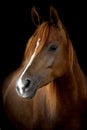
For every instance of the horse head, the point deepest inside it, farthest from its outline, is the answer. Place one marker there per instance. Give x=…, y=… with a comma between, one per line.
x=46, y=56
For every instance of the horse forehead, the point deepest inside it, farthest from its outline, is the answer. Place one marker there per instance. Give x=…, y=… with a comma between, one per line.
x=56, y=34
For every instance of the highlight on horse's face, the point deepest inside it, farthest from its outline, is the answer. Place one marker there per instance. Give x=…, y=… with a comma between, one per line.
x=43, y=67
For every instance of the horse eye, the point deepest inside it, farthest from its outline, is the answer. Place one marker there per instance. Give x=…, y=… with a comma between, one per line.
x=52, y=48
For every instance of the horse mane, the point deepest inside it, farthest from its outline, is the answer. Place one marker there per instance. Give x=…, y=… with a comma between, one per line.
x=41, y=32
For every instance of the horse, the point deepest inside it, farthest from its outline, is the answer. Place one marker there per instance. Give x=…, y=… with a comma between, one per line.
x=49, y=89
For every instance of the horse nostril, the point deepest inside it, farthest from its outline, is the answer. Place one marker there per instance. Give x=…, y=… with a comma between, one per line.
x=27, y=83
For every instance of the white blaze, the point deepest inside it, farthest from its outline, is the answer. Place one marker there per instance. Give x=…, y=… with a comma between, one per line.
x=19, y=82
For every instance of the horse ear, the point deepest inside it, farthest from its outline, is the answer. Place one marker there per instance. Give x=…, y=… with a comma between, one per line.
x=35, y=16
x=54, y=17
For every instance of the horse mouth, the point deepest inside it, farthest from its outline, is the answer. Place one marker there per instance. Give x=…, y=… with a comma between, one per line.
x=27, y=95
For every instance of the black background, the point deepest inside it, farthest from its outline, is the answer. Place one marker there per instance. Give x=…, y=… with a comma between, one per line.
x=17, y=27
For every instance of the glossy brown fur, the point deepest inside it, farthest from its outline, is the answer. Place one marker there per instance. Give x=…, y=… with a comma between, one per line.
x=59, y=105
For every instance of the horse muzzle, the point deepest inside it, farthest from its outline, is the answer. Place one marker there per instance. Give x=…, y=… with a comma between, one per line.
x=24, y=88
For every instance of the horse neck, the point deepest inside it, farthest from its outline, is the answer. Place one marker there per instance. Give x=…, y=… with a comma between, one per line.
x=72, y=84
x=79, y=77
x=70, y=87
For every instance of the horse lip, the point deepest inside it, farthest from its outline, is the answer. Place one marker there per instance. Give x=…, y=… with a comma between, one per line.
x=27, y=94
